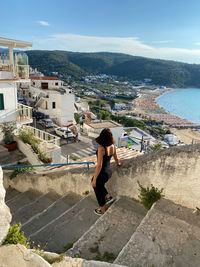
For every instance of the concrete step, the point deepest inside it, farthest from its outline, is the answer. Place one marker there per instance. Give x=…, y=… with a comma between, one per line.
x=111, y=232
x=22, y=199
x=169, y=235
x=68, y=227
x=11, y=193
x=29, y=211
x=51, y=213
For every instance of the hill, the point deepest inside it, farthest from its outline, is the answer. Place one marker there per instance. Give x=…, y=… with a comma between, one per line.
x=77, y=65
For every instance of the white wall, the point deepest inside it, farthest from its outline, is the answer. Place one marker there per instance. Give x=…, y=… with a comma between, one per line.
x=9, y=91
x=51, y=83
x=67, y=108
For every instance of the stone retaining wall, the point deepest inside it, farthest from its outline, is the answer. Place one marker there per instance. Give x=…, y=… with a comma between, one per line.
x=177, y=170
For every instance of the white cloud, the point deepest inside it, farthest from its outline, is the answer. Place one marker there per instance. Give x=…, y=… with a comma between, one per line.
x=163, y=42
x=128, y=45
x=43, y=23
x=198, y=43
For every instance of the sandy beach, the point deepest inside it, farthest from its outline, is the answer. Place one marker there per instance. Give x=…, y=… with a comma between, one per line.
x=188, y=136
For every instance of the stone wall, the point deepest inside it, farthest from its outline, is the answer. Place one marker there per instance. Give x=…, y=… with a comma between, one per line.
x=5, y=216
x=176, y=170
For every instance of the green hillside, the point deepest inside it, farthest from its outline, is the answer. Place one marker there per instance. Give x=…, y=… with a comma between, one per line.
x=77, y=65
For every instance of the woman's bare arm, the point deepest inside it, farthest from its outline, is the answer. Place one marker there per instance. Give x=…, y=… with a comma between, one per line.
x=101, y=153
x=116, y=158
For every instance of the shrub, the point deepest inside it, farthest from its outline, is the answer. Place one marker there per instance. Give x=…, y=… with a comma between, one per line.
x=21, y=170
x=26, y=136
x=8, y=132
x=149, y=195
x=157, y=146
x=16, y=236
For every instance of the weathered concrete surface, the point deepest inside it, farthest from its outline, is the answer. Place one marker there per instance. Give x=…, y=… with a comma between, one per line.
x=68, y=227
x=37, y=207
x=168, y=236
x=11, y=193
x=176, y=170
x=5, y=216
x=22, y=199
x=52, y=212
x=76, y=262
x=112, y=231
x=18, y=255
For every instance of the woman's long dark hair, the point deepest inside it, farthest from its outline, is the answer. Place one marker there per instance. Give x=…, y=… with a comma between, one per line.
x=105, y=138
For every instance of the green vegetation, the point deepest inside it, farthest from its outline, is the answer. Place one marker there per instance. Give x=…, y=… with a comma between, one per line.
x=74, y=158
x=16, y=236
x=77, y=65
x=107, y=256
x=149, y=195
x=77, y=118
x=27, y=137
x=20, y=170
x=8, y=132
x=157, y=146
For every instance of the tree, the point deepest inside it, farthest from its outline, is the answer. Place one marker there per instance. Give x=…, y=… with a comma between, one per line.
x=157, y=146
x=77, y=118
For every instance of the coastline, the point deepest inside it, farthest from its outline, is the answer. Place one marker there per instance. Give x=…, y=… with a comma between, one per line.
x=147, y=106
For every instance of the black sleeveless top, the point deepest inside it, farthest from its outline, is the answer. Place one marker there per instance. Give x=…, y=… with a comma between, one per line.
x=106, y=171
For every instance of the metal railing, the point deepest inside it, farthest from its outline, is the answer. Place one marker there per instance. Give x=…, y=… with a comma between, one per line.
x=47, y=137
x=18, y=167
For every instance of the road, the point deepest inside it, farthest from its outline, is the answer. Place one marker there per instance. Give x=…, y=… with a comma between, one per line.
x=86, y=147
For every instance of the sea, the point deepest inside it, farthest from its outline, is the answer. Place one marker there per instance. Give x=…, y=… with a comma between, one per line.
x=184, y=103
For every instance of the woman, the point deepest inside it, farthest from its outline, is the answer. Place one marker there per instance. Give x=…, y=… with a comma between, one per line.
x=103, y=170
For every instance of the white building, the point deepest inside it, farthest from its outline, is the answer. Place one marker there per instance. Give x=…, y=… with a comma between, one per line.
x=171, y=139
x=14, y=69
x=53, y=99
x=94, y=128
x=119, y=106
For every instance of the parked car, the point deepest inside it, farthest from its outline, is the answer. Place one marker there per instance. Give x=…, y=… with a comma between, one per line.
x=65, y=133
x=38, y=115
x=47, y=123
x=21, y=100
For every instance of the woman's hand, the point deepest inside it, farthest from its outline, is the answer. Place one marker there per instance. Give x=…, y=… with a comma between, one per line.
x=93, y=183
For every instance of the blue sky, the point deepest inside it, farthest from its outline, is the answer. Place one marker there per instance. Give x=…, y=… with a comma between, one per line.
x=166, y=29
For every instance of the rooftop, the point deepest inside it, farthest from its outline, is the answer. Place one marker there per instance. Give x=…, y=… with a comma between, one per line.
x=103, y=124
x=14, y=43
x=43, y=78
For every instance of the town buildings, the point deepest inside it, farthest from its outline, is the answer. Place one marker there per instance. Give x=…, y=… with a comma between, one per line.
x=51, y=97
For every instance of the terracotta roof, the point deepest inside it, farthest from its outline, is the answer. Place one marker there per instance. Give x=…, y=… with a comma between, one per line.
x=43, y=78
x=8, y=80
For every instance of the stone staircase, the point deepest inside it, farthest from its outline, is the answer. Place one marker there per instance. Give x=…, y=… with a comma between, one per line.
x=168, y=235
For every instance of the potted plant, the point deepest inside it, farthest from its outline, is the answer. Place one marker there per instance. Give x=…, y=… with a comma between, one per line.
x=8, y=132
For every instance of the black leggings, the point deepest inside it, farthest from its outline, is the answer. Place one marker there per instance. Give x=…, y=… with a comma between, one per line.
x=100, y=190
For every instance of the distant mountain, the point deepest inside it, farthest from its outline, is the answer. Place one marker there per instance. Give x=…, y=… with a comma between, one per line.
x=77, y=65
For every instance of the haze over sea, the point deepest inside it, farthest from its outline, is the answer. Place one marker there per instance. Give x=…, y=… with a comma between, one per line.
x=184, y=103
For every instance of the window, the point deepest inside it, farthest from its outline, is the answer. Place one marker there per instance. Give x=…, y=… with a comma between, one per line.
x=33, y=83
x=56, y=83
x=29, y=94
x=1, y=102
x=53, y=104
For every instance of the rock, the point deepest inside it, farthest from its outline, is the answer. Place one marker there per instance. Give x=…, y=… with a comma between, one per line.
x=5, y=216
x=18, y=255
x=69, y=262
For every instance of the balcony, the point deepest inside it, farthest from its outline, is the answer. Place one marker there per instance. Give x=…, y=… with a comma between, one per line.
x=24, y=114
x=18, y=70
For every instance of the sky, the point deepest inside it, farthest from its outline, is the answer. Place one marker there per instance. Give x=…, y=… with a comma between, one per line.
x=165, y=29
